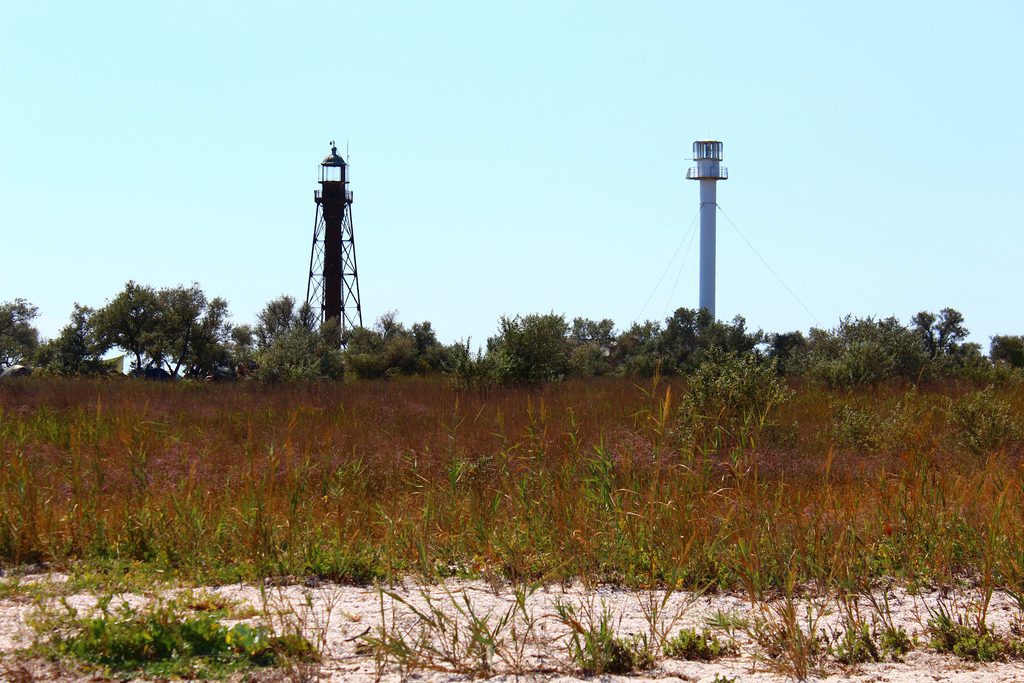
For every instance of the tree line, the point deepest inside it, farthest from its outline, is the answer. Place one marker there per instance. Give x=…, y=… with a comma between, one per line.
x=180, y=332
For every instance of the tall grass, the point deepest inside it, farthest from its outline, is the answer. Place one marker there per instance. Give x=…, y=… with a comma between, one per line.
x=601, y=480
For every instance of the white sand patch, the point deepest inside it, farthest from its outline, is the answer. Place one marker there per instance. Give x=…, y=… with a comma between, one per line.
x=533, y=641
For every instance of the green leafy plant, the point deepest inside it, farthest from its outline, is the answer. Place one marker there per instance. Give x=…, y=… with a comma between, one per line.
x=730, y=398
x=594, y=646
x=164, y=640
x=983, y=422
x=730, y=622
x=873, y=425
x=895, y=642
x=972, y=643
x=452, y=634
x=791, y=644
x=691, y=645
x=856, y=644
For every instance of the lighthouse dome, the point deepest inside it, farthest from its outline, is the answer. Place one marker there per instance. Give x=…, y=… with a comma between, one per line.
x=333, y=159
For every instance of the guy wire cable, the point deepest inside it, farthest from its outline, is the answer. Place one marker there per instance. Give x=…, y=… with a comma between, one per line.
x=669, y=265
x=770, y=269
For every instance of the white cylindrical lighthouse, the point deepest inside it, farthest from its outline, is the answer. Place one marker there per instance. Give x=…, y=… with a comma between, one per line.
x=709, y=170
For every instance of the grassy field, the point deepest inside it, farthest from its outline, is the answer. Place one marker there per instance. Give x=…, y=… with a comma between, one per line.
x=638, y=483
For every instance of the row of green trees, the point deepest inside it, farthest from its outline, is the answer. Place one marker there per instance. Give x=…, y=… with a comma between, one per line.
x=180, y=332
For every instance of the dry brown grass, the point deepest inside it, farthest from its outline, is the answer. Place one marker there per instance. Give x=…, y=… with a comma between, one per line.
x=585, y=479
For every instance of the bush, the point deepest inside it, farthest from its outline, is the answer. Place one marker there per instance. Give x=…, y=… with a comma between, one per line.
x=530, y=349
x=730, y=398
x=299, y=355
x=465, y=369
x=861, y=425
x=862, y=351
x=589, y=360
x=982, y=422
x=690, y=334
x=390, y=349
x=1008, y=349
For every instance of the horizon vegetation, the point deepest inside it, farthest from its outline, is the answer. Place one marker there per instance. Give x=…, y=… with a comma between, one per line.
x=178, y=332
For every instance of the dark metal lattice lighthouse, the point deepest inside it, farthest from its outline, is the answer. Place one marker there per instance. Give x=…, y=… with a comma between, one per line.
x=333, y=288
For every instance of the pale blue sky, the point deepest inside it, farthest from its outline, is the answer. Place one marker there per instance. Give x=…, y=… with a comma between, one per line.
x=519, y=157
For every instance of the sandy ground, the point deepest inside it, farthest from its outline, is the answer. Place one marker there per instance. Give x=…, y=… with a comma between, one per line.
x=533, y=644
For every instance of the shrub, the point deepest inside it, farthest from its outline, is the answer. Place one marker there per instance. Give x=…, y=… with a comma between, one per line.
x=863, y=351
x=690, y=335
x=861, y=425
x=465, y=369
x=730, y=398
x=299, y=355
x=531, y=349
x=1008, y=349
x=895, y=642
x=982, y=422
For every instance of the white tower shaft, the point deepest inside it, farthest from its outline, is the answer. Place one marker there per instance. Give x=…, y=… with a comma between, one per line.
x=708, y=214
x=709, y=170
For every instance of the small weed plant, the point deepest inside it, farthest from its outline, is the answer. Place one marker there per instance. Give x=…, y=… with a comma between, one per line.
x=856, y=644
x=450, y=634
x=895, y=642
x=691, y=645
x=728, y=621
x=792, y=645
x=595, y=647
x=163, y=640
x=975, y=643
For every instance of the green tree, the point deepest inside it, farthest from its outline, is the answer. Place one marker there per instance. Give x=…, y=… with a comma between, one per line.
x=865, y=351
x=636, y=351
x=585, y=330
x=18, y=337
x=1008, y=349
x=940, y=334
x=364, y=354
x=76, y=350
x=464, y=369
x=786, y=349
x=431, y=355
x=193, y=332
x=131, y=322
x=530, y=349
x=299, y=354
x=590, y=344
x=689, y=334
x=242, y=346
x=942, y=337
x=391, y=349
x=175, y=328
x=279, y=316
